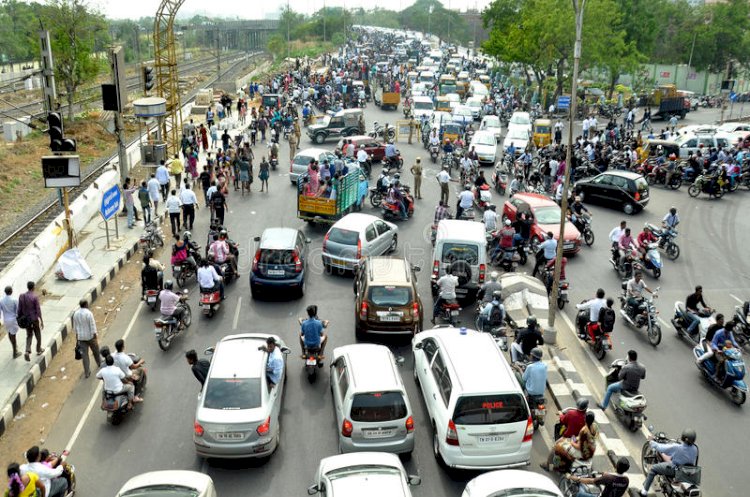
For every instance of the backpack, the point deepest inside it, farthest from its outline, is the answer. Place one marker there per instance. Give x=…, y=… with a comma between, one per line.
x=217, y=199
x=606, y=319
x=496, y=315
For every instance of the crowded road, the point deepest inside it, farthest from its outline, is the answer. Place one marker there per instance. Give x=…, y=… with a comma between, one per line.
x=711, y=236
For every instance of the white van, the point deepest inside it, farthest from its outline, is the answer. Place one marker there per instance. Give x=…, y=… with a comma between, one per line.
x=427, y=77
x=422, y=106
x=479, y=415
x=461, y=246
x=477, y=89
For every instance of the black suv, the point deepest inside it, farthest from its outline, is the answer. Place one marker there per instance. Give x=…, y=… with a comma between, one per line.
x=624, y=190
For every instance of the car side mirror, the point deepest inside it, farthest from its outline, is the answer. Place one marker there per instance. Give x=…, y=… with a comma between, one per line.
x=307, y=240
x=418, y=346
x=415, y=480
x=400, y=360
x=416, y=269
x=257, y=238
x=209, y=351
x=312, y=489
x=286, y=350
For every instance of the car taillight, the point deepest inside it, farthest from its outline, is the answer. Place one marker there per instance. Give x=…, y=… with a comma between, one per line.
x=409, y=424
x=637, y=196
x=325, y=240
x=482, y=268
x=255, y=260
x=415, y=310
x=529, y=430
x=435, y=268
x=263, y=428
x=297, y=263
x=359, y=249
x=451, y=437
x=347, y=428
x=363, y=311
x=197, y=429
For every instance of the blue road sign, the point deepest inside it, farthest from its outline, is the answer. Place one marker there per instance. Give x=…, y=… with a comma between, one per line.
x=563, y=102
x=110, y=202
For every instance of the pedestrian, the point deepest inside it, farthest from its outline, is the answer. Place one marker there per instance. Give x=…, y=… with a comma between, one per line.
x=416, y=171
x=297, y=130
x=225, y=140
x=263, y=173
x=198, y=366
x=292, y=146
x=30, y=313
x=204, y=137
x=162, y=175
x=153, y=192
x=214, y=131
x=127, y=191
x=189, y=204
x=412, y=124
x=84, y=325
x=176, y=168
x=443, y=178
x=174, y=206
x=205, y=180
x=145, y=201
x=9, y=311
x=219, y=205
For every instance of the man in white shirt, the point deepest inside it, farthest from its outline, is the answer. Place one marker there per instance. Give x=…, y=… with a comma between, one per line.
x=125, y=363
x=446, y=291
x=361, y=156
x=209, y=279
x=174, y=206
x=443, y=178
x=84, y=326
x=55, y=484
x=614, y=238
x=594, y=306
x=113, y=381
x=465, y=201
x=490, y=218
x=154, y=189
x=189, y=204
x=585, y=125
x=162, y=176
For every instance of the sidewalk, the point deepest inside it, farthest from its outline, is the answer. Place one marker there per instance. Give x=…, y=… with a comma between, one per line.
x=18, y=377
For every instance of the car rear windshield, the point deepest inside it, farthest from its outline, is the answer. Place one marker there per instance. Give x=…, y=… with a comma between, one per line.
x=378, y=406
x=302, y=160
x=390, y=295
x=162, y=490
x=423, y=105
x=490, y=409
x=453, y=252
x=232, y=393
x=344, y=237
x=641, y=184
x=268, y=256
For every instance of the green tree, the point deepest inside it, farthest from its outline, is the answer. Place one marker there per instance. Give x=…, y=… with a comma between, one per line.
x=277, y=46
x=446, y=24
x=76, y=30
x=18, y=35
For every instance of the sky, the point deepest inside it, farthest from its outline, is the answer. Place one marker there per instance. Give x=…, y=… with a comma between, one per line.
x=242, y=9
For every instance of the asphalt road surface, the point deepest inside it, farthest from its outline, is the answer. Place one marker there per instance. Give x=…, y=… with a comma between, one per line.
x=159, y=434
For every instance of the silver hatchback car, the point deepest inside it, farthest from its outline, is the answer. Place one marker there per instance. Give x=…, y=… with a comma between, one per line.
x=238, y=409
x=355, y=236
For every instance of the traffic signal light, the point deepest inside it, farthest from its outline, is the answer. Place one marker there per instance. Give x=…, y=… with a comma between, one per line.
x=57, y=140
x=148, y=78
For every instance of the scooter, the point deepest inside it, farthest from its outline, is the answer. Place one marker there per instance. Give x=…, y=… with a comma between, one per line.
x=449, y=311
x=151, y=295
x=666, y=242
x=601, y=343
x=644, y=316
x=210, y=302
x=684, y=484
x=651, y=260
x=116, y=404
x=681, y=322
x=628, y=406
x=734, y=367
x=393, y=210
x=483, y=197
x=152, y=237
x=166, y=328
x=627, y=264
x=741, y=327
x=434, y=153
x=69, y=472
x=500, y=181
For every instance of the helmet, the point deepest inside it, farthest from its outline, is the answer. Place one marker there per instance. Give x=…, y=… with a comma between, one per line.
x=467, y=186
x=385, y=170
x=497, y=294
x=531, y=320
x=362, y=146
x=494, y=275
x=672, y=156
x=582, y=404
x=168, y=285
x=187, y=235
x=397, y=176
x=223, y=233
x=688, y=436
x=646, y=226
x=507, y=222
x=673, y=210
x=536, y=353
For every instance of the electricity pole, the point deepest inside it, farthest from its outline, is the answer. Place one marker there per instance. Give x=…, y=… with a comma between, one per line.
x=578, y=11
x=218, y=53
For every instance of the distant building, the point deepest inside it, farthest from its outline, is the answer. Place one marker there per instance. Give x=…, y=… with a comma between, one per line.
x=473, y=20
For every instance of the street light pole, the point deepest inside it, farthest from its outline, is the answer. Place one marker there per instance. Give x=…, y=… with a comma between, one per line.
x=578, y=12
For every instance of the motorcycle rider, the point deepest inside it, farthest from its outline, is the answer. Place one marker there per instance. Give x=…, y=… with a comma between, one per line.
x=547, y=252
x=671, y=219
x=396, y=197
x=487, y=291
x=594, y=306
x=115, y=381
x=614, y=237
x=612, y=484
x=645, y=238
x=625, y=244
x=693, y=311
x=384, y=181
x=169, y=304
x=465, y=201
x=576, y=211
x=51, y=475
x=634, y=291
x=209, y=279
x=133, y=370
x=573, y=419
x=312, y=332
x=151, y=277
x=362, y=158
x=535, y=375
x=446, y=291
x=222, y=251
x=674, y=455
x=391, y=154
x=526, y=339
x=493, y=313
x=718, y=344
x=630, y=377
x=490, y=218
x=506, y=237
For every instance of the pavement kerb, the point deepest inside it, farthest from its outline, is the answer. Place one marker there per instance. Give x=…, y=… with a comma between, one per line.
x=40, y=363
x=567, y=386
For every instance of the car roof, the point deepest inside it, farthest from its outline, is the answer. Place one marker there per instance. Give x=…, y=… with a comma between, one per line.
x=332, y=463
x=358, y=138
x=483, y=132
x=366, y=365
x=624, y=174
x=421, y=98
x=356, y=221
x=389, y=270
x=460, y=229
x=535, y=199
x=313, y=152
x=278, y=238
x=506, y=479
x=193, y=479
x=237, y=356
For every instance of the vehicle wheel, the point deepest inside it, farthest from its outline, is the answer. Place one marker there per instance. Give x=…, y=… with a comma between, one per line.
x=673, y=251
x=436, y=448
x=187, y=318
x=675, y=183
x=738, y=396
x=359, y=334
x=657, y=272
x=567, y=487
x=560, y=303
x=405, y=456
x=719, y=193
x=211, y=313
x=694, y=191
x=115, y=418
x=650, y=179
x=654, y=335
x=301, y=291
x=181, y=279
x=588, y=237
x=164, y=343
x=628, y=208
x=376, y=199
x=327, y=268
x=312, y=376
x=649, y=457
x=394, y=244
x=159, y=240
x=599, y=353
x=534, y=244
x=320, y=138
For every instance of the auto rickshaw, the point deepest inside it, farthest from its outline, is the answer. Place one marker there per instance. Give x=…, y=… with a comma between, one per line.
x=485, y=80
x=452, y=131
x=650, y=148
x=443, y=104
x=542, y=132
x=271, y=101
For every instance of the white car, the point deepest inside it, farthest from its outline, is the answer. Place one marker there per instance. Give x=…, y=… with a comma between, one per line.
x=485, y=145
x=422, y=106
x=520, y=120
x=462, y=114
x=475, y=104
x=519, y=137
x=453, y=97
x=300, y=162
x=492, y=123
x=511, y=482
x=362, y=474
x=174, y=483
x=418, y=89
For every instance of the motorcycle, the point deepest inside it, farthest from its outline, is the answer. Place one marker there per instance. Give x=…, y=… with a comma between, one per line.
x=376, y=196
x=274, y=162
x=583, y=223
x=666, y=241
x=570, y=488
x=393, y=210
x=685, y=483
x=734, y=372
x=483, y=198
x=448, y=161
x=626, y=265
x=500, y=181
x=152, y=237
x=741, y=326
x=628, y=406
x=651, y=260
x=116, y=404
x=536, y=402
x=434, y=153
x=547, y=276
x=166, y=328
x=378, y=132
x=395, y=162
x=681, y=322
x=313, y=358
x=706, y=184
x=601, y=343
x=658, y=176
x=449, y=311
x=210, y=302
x=644, y=316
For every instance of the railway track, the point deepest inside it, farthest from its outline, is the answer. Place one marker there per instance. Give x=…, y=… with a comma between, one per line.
x=27, y=230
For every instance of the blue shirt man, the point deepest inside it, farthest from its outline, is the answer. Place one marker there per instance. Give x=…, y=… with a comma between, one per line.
x=721, y=337
x=312, y=330
x=549, y=246
x=275, y=363
x=390, y=150
x=535, y=374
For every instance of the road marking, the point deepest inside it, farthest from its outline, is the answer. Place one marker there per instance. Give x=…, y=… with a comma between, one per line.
x=666, y=325
x=586, y=349
x=237, y=313
x=99, y=387
x=735, y=297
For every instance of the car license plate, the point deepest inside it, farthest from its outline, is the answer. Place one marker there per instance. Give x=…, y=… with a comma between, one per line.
x=391, y=319
x=229, y=436
x=206, y=306
x=564, y=293
x=337, y=262
x=311, y=361
x=157, y=331
x=378, y=433
x=454, y=313
x=275, y=272
x=151, y=300
x=492, y=439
